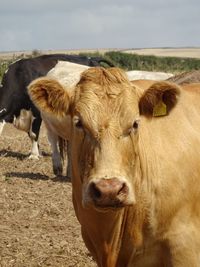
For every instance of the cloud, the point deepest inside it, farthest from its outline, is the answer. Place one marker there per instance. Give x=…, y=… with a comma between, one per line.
x=61, y=24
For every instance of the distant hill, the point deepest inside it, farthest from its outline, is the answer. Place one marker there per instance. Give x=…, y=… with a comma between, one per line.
x=191, y=52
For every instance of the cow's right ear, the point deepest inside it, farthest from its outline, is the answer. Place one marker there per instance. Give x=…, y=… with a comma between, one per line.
x=49, y=96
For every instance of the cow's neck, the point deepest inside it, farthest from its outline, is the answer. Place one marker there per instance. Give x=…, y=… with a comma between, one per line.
x=107, y=233
x=153, y=181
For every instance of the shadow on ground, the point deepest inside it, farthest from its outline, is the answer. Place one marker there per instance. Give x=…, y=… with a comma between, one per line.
x=37, y=176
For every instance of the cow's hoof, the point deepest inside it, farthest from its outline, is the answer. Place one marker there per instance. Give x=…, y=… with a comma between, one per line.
x=58, y=170
x=35, y=157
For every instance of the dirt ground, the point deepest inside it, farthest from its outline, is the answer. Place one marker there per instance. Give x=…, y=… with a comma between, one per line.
x=38, y=226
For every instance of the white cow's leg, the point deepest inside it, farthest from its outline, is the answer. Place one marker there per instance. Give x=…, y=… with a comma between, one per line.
x=28, y=123
x=1, y=126
x=34, y=135
x=56, y=158
x=35, y=154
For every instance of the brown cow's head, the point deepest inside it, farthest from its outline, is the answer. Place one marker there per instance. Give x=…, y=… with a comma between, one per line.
x=105, y=111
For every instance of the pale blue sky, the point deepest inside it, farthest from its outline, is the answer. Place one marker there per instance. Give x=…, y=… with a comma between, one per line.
x=81, y=24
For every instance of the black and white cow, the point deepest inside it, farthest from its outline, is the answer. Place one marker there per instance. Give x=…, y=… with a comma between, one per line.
x=15, y=104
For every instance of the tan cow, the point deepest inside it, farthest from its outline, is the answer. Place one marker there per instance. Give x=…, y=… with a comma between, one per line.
x=135, y=166
x=68, y=74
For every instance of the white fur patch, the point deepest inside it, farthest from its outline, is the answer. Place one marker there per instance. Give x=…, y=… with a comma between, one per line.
x=34, y=151
x=24, y=121
x=1, y=126
x=147, y=75
x=67, y=73
x=2, y=110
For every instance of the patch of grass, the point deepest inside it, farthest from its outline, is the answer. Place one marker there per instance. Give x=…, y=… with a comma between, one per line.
x=129, y=61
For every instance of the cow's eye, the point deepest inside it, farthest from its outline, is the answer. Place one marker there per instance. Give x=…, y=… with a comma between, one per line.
x=135, y=125
x=78, y=123
x=132, y=129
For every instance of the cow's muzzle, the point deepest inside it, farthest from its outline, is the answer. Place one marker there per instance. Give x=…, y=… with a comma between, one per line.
x=109, y=193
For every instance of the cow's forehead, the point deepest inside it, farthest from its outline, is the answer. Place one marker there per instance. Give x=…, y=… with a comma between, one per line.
x=104, y=83
x=107, y=95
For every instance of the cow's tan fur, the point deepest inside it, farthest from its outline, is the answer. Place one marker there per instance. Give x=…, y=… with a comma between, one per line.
x=160, y=162
x=43, y=96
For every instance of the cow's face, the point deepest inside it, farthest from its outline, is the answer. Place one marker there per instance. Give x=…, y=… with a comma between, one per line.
x=105, y=112
x=106, y=126
x=104, y=140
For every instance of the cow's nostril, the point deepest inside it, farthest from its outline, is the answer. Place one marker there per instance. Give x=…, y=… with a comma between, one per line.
x=94, y=191
x=123, y=189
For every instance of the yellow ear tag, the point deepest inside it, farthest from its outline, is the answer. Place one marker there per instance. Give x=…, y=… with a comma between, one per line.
x=160, y=109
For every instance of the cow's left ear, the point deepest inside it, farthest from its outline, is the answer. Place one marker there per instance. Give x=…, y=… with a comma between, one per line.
x=49, y=96
x=159, y=99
